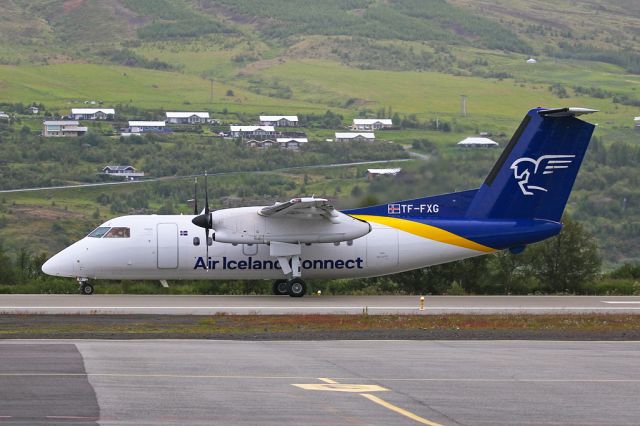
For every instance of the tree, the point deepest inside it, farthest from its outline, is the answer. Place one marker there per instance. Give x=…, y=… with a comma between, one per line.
x=7, y=271
x=567, y=262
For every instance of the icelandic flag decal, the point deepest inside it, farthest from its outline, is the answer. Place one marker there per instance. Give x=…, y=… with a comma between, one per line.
x=393, y=208
x=184, y=233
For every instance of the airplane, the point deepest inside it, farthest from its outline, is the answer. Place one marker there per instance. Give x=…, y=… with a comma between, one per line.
x=520, y=202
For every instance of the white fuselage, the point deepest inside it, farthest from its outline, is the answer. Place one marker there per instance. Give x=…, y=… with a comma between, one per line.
x=163, y=247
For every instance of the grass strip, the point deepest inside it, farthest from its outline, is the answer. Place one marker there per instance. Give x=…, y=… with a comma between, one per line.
x=578, y=326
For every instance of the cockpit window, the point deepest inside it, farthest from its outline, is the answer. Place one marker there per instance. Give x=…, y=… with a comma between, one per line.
x=117, y=232
x=99, y=232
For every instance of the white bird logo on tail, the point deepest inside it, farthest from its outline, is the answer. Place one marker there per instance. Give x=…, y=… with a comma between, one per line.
x=523, y=168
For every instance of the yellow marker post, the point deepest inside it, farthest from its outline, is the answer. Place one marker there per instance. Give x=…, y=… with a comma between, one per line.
x=422, y=303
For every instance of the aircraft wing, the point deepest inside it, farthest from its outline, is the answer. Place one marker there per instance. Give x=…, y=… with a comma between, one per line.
x=301, y=208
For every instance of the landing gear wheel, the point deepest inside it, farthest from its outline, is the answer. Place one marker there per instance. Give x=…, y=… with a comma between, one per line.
x=280, y=287
x=86, y=288
x=297, y=287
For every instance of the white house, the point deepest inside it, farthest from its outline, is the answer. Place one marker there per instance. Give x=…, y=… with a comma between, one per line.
x=372, y=173
x=371, y=123
x=260, y=143
x=475, y=142
x=637, y=121
x=279, y=120
x=251, y=131
x=531, y=61
x=63, y=128
x=187, y=117
x=4, y=115
x=360, y=137
x=146, y=126
x=125, y=171
x=33, y=110
x=291, y=143
x=92, y=113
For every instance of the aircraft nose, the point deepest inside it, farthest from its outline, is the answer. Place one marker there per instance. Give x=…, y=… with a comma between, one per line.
x=59, y=266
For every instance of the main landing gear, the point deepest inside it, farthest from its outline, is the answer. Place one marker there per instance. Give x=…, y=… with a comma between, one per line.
x=294, y=287
x=85, y=287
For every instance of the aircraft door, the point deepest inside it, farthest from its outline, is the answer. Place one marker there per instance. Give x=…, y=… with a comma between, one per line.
x=382, y=248
x=167, y=246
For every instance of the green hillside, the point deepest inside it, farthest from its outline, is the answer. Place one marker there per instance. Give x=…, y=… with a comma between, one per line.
x=408, y=59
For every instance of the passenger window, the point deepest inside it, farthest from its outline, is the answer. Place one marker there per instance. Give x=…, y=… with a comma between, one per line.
x=196, y=241
x=98, y=232
x=118, y=232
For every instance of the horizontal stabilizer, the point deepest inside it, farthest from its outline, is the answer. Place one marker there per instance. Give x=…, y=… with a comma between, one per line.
x=566, y=112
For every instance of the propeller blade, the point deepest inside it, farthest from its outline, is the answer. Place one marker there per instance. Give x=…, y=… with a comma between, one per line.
x=206, y=194
x=206, y=241
x=195, y=196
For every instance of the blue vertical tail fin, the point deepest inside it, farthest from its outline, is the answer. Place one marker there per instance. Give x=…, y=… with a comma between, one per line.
x=535, y=173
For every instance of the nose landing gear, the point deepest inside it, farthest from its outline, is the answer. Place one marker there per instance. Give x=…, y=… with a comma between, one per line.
x=85, y=287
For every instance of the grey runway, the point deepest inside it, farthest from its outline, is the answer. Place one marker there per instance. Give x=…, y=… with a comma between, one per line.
x=318, y=383
x=311, y=304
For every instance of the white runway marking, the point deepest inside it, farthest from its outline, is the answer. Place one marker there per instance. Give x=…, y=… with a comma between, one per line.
x=363, y=379
x=621, y=302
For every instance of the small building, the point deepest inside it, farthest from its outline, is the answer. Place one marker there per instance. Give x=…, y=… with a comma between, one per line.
x=279, y=120
x=147, y=126
x=291, y=143
x=637, y=122
x=254, y=132
x=93, y=113
x=260, y=143
x=33, y=110
x=373, y=173
x=177, y=117
x=4, y=116
x=359, y=137
x=128, y=172
x=63, y=128
x=531, y=61
x=476, y=142
x=371, y=123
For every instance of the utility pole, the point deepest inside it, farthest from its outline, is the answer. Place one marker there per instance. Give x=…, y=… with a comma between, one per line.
x=463, y=105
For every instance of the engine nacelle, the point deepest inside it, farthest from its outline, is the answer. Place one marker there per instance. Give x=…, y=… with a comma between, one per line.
x=245, y=225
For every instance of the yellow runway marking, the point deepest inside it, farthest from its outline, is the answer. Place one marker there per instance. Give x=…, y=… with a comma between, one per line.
x=399, y=410
x=339, y=387
x=332, y=385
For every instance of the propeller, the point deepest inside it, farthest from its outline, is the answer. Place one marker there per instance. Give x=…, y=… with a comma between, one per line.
x=204, y=220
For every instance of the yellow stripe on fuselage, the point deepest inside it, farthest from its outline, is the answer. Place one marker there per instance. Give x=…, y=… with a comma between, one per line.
x=425, y=231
